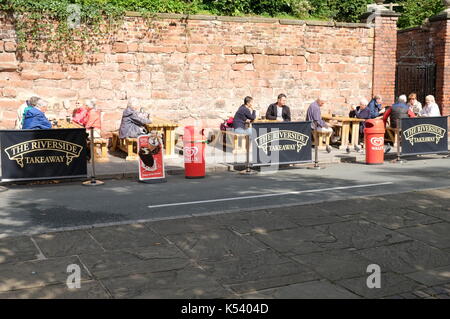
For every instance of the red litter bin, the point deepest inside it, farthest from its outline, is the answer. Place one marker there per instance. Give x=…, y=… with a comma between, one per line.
x=194, y=152
x=374, y=140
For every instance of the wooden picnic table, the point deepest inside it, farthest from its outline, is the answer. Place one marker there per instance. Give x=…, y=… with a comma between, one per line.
x=166, y=127
x=64, y=124
x=101, y=143
x=348, y=123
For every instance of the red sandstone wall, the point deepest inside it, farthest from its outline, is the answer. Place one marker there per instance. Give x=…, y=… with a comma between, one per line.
x=198, y=68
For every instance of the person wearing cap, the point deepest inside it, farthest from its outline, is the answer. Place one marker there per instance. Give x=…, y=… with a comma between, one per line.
x=35, y=118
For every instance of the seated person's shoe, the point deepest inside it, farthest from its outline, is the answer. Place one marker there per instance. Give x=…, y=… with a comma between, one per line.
x=328, y=148
x=387, y=149
x=348, y=149
x=358, y=149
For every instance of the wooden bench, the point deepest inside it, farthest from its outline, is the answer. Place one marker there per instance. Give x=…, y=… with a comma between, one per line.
x=321, y=139
x=230, y=141
x=391, y=135
x=102, y=145
x=127, y=145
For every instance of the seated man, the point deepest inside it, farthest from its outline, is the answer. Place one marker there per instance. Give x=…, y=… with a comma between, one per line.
x=133, y=123
x=398, y=111
x=35, y=119
x=24, y=108
x=318, y=124
x=244, y=114
x=279, y=111
x=375, y=107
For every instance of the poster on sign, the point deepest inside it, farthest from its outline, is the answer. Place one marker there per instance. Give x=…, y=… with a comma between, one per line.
x=151, y=162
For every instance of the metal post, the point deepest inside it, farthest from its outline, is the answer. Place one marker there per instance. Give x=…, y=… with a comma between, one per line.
x=247, y=147
x=398, y=160
x=316, y=154
x=247, y=170
x=93, y=181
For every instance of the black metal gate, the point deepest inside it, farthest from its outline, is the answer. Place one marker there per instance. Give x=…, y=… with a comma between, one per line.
x=416, y=73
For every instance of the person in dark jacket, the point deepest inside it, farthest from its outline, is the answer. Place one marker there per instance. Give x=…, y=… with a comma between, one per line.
x=375, y=107
x=244, y=114
x=133, y=122
x=398, y=111
x=364, y=112
x=35, y=119
x=279, y=110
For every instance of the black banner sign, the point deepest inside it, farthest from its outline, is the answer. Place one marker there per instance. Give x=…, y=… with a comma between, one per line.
x=277, y=143
x=424, y=135
x=43, y=154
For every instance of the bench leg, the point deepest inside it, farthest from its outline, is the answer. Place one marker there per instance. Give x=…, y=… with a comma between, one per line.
x=114, y=141
x=131, y=156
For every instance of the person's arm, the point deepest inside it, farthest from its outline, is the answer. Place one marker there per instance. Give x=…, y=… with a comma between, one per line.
x=386, y=116
x=288, y=114
x=250, y=115
x=139, y=120
x=374, y=113
x=411, y=113
x=317, y=118
x=269, y=114
x=44, y=123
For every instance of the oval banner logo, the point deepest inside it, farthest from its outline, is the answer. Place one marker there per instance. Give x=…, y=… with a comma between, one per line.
x=377, y=141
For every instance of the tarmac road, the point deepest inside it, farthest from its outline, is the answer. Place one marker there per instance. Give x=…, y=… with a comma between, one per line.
x=26, y=210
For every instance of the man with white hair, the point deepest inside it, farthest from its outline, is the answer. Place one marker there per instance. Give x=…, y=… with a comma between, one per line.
x=314, y=115
x=398, y=111
x=133, y=122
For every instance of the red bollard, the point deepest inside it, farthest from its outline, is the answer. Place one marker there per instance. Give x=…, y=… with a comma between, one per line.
x=374, y=139
x=194, y=153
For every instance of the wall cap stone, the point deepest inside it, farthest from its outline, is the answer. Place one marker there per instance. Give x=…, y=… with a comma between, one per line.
x=250, y=20
x=262, y=20
x=320, y=23
x=292, y=22
x=444, y=15
x=201, y=17
x=232, y=19
x=352, y=25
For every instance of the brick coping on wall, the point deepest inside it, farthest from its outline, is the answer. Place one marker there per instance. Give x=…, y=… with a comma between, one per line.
x=179, y=16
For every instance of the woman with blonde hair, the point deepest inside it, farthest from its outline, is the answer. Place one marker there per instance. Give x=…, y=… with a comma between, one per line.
x=413, y=104
x=431, y=108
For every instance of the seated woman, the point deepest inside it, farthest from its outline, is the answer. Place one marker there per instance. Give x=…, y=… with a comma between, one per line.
x=88, y=117
x=133, y=122
x=414, y=105
x=431, y=108
x=80, y=113
x=35, y=119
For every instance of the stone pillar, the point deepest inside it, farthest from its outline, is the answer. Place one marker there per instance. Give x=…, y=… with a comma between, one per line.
x=384, y=22
x=440, y=25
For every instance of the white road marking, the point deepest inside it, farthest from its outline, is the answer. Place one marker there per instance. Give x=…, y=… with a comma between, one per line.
x=269, y=195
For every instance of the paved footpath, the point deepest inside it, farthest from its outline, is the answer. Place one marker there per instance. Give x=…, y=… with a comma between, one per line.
x=310, y=251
